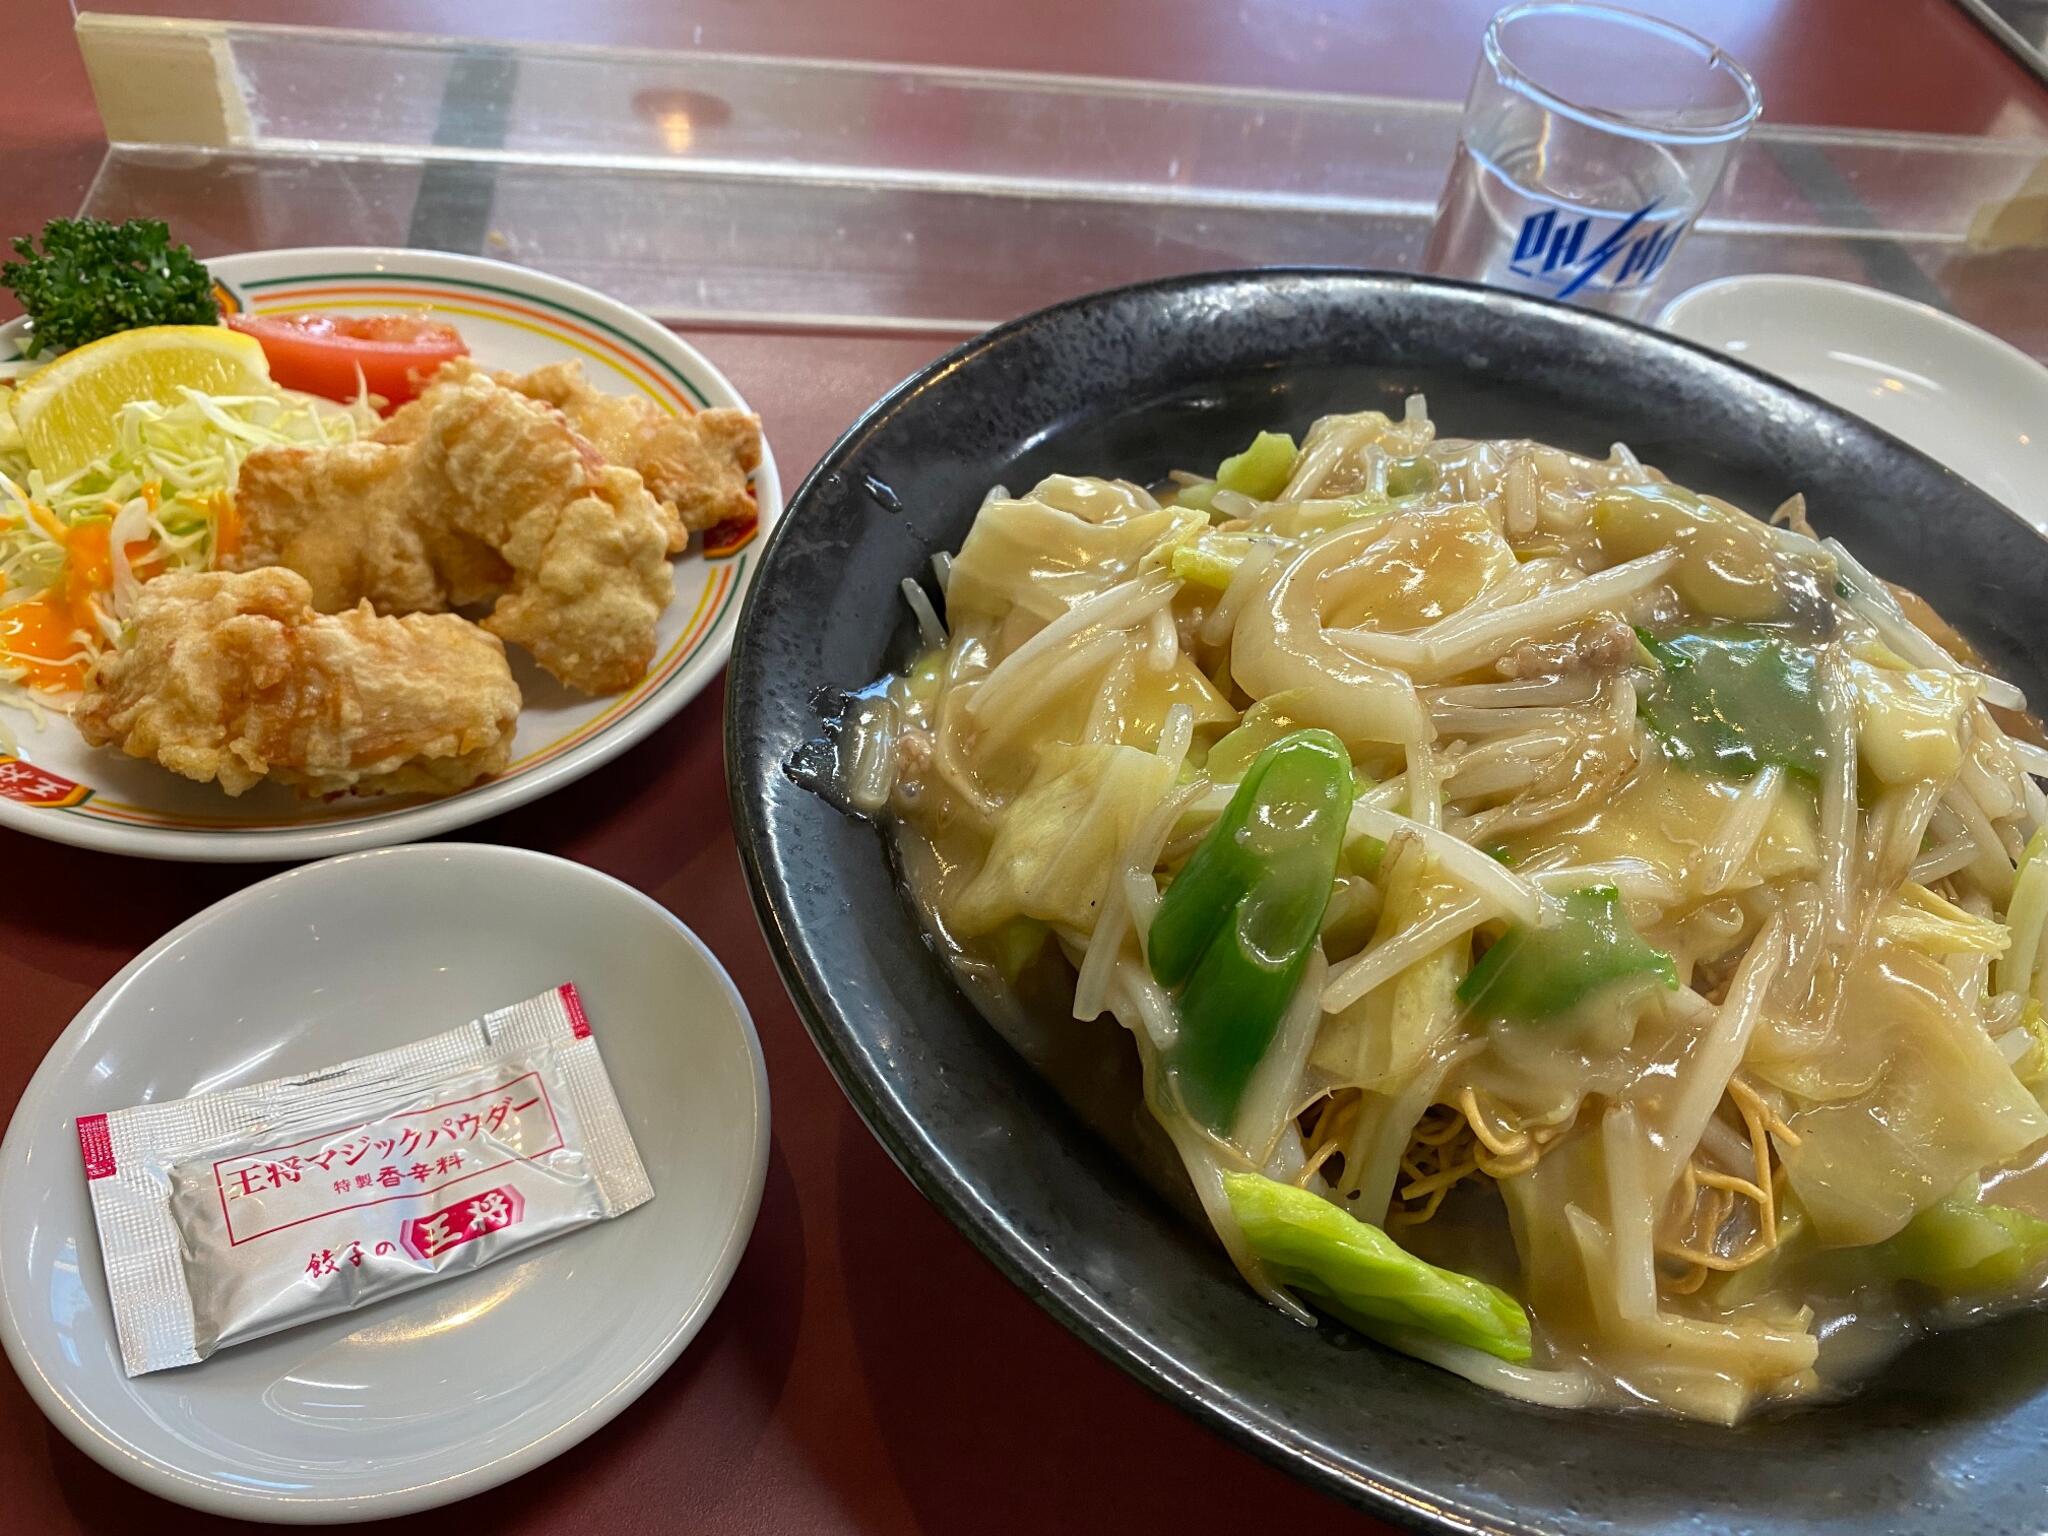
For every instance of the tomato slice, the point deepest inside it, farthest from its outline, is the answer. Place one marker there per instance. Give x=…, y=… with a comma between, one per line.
x=322, y=354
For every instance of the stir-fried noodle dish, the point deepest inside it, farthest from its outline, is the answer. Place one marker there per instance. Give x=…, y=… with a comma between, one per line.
x=1574, y=930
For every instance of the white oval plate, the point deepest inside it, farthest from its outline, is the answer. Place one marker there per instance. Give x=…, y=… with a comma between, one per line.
x=456, y=1387
x=512, y=318
x=1958, y=394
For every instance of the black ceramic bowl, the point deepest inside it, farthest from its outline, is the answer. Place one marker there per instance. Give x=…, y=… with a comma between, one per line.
x=1954, y=1436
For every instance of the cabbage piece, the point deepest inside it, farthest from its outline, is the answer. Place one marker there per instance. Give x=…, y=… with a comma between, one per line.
x=1665, y=816
x=1907, y=1100
x=1909, y=721
x=1038, y=557
x=2032, y=1066
x=1092, y=498
x=1382, y=1037
x=1358, y=1273
x=1264, y=723
x=1412, y=476
x=1210, y=559
x=2026, y=917
x=1961, y=1245
x=1140, y=712
x=1261, y=471
x=1729, y=568
x=1056, y=846
x=1317, y=516
x=1917, y=917
x=1016, y=944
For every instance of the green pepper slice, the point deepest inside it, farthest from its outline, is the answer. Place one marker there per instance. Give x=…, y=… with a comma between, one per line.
x=1235, y=930
x=1734, y=700
x=1538, y=973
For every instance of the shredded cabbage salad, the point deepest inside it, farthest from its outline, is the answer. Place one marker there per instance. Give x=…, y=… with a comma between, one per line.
x=75, y=551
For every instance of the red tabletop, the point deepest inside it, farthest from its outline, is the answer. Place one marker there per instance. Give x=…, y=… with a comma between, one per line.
x=868, y=1371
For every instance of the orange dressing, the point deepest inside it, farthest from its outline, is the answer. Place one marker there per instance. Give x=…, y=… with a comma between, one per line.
x=40, y=636
x=36, y=636
x=88, y=564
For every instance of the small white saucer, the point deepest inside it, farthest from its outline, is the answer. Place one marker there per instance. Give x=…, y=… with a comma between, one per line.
x=1958, y=394
x=456, y=1387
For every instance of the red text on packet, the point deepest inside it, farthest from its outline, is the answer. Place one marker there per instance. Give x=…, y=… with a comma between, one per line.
x=473, y=1216
x=415, y=1152
x=328, y=1261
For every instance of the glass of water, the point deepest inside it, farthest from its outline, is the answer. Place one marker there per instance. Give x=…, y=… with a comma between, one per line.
x=1591, y=140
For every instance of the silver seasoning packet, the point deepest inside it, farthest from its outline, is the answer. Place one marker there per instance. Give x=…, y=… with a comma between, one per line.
x=230, y=1215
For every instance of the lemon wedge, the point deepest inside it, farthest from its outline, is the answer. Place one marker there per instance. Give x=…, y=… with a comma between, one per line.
x=65, y=412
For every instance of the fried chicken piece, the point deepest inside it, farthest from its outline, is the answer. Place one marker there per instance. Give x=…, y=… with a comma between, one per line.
x=586, y=543
x=490, y=495
x=349, y=519
x=235, y=678
x=696, y=466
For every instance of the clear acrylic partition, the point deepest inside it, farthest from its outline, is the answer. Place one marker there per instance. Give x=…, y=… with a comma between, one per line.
x=812, y=196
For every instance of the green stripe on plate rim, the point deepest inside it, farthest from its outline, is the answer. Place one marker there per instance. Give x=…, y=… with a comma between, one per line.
x=471, y=283
x=739, y=583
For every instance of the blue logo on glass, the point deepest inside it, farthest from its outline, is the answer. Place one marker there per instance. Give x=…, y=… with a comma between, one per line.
x=1554, y=251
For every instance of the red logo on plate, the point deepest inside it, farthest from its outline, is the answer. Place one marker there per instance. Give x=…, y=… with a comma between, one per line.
x=472, y=1217
x=26, y=784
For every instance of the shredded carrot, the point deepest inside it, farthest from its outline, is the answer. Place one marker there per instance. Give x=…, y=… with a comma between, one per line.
x=227, y=528
x=46, y=520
